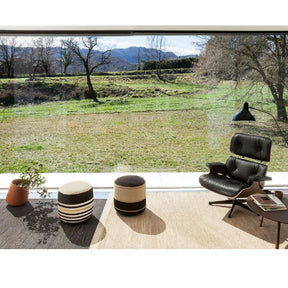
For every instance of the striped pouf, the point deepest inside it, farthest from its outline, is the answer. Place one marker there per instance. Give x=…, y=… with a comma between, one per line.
x=75, y=202
x=130, y=195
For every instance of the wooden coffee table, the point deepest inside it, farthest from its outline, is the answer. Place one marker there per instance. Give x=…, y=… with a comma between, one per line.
x=277, y=216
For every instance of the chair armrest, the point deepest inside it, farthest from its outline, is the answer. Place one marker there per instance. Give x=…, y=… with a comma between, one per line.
x=217, y=167
x=259, y=178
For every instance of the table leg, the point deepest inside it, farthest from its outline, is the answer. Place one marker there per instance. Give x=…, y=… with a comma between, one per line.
x=278, y=235
x=261, y=221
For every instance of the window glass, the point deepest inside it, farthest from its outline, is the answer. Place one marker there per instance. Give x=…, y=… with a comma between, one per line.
x=152, y=103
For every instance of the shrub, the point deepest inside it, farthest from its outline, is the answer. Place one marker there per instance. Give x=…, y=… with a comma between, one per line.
x=7, y=98
x=37, y=92
x=170, y=64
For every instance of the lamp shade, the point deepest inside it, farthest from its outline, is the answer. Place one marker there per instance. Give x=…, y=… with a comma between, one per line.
x=244, y=114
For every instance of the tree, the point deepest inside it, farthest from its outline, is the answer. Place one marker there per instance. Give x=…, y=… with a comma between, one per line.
x=8, y=51
x=157, y=44
x=44, y=47
x=139, y=59
x=30, y=61
x=66, y=57
x=89, y=58
x=236, y=55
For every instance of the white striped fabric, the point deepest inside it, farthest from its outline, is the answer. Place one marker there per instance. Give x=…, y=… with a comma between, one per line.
x=75, y=202
x=76, y=212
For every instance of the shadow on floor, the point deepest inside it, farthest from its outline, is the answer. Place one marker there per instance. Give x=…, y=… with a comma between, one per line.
x=20, y=211
x=81, y=234
x=249, y=223
x=145, y=223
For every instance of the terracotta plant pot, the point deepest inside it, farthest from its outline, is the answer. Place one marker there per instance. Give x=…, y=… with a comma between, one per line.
x=17, y=195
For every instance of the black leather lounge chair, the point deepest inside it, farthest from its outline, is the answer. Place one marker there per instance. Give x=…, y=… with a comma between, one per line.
x=238, y=177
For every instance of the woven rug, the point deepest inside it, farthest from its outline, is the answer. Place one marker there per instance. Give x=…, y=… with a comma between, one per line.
x=36, y=225
x=185, y=220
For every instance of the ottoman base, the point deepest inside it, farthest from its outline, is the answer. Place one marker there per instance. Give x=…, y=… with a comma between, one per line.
x=134, y=208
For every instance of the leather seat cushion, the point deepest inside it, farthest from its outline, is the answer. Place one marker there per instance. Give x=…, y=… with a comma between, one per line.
x=221, y=184
x=242, y=169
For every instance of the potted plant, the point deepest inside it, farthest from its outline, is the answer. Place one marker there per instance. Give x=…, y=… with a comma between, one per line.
x=30, y=179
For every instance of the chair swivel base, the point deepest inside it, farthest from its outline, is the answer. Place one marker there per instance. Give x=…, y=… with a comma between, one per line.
x=234, y=202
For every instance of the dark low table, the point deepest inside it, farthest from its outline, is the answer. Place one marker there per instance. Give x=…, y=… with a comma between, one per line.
x=277, y=216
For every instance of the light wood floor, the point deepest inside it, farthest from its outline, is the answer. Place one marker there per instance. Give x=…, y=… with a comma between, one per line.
x=185, y=220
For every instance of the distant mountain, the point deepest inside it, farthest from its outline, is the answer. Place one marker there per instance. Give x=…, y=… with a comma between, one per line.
x=116, y=64
x=189, y=56
x=133, y=54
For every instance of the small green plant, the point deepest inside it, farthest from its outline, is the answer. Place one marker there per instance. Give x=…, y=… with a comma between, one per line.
x=31, y=179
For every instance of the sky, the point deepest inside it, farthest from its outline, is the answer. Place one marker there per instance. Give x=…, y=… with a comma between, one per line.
x=180, y=45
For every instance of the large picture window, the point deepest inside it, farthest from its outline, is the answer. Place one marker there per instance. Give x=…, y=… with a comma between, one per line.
x=146, y=103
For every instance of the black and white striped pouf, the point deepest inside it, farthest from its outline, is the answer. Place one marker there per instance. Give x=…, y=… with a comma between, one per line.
x=130, y=194
x=75, y=202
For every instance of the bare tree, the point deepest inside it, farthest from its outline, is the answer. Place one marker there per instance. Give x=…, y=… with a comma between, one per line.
x=66, y=57
x=44, y=46
x=2, y=68
x=139, y=59
x=266, y=55
x=89, y=58
x=156, y=52
x=8, y=51
x=31, y=61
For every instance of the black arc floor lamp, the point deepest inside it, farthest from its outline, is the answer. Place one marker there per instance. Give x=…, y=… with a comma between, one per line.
x=245, y=115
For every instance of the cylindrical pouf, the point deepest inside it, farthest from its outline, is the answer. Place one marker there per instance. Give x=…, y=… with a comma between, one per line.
x=130, y=195
x=75, y=202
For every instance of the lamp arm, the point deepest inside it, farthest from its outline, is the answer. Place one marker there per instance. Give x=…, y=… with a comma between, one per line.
x=283, y=135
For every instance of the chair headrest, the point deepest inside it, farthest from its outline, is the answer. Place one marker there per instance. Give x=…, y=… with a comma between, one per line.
x=252, y=146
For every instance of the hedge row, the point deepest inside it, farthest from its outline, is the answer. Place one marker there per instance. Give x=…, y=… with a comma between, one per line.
x=170, y=64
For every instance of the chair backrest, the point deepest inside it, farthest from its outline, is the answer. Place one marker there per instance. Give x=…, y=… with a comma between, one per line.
x=252, y=146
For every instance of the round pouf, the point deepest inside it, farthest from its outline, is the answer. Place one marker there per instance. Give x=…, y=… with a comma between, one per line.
x=130, y=195
x=75, y=202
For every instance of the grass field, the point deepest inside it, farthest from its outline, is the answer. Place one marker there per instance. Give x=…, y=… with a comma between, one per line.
x=141, y=125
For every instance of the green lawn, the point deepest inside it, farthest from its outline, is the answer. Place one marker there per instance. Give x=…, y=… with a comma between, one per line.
x=178, y=127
